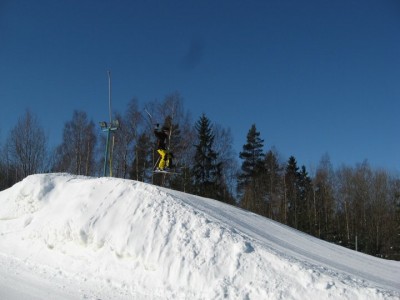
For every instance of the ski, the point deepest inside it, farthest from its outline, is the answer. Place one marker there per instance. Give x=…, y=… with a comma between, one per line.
x=166, y=171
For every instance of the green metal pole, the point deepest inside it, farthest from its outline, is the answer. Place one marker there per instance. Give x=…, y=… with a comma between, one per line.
x=111, y=155
x=106, y=155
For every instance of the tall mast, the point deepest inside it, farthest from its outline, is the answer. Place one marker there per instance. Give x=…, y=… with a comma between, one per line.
x=109, y=94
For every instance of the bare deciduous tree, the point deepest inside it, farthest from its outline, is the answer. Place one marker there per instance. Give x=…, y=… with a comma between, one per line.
x=223, y=142
x=126, y=139
x=76, y=153
x=26, y=146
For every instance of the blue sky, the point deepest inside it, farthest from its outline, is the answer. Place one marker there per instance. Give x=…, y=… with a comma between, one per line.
x=314, y=76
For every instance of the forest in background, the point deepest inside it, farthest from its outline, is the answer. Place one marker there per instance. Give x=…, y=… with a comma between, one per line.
x=354, y=206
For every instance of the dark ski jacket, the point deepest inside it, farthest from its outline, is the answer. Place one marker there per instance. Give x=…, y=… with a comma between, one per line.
x=162, y=139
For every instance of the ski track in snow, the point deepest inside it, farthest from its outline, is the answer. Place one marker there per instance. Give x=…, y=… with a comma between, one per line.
x=74, y=237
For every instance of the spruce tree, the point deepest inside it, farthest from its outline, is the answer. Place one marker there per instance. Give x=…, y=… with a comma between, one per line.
x=291, y=192
x=304, y=201
x=249, y=183
x=205, y=169
x=273, y=185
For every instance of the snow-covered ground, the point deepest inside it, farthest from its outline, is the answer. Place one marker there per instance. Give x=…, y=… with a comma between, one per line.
x=71, y=237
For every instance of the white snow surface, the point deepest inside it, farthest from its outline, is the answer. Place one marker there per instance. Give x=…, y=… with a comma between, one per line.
x=72, y=237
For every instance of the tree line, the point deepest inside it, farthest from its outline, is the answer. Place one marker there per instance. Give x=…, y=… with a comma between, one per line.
x=356, y=207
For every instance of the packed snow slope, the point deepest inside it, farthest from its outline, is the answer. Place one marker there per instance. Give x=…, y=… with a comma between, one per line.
x=71, y=237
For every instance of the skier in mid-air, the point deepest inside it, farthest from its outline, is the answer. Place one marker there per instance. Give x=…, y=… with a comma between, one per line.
x=165, y=160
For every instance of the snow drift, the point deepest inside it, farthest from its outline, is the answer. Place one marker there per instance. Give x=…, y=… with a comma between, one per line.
x=72, y=237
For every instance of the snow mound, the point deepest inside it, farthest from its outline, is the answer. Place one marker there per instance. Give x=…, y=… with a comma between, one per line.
x=122, y=239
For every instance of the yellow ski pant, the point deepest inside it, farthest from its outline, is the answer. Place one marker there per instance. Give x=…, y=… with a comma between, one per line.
x=164, y=159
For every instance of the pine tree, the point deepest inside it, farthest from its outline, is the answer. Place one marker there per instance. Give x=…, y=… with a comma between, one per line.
x=291, y=192
x=205, y=170
x=249, y=181
x=273, y=186
x=304, y=201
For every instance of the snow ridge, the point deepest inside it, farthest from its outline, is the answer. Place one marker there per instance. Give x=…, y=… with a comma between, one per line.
x=107, y=238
